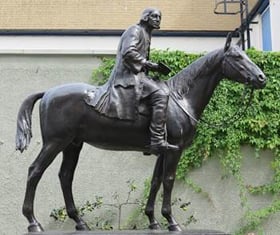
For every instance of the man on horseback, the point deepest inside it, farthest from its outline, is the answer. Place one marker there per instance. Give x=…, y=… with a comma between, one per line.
x=129, y=81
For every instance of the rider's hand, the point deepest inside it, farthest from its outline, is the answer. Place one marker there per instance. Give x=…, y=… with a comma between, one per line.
x=151, y=66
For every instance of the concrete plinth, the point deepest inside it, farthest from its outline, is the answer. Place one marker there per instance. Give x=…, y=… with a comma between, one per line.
x=136, y=232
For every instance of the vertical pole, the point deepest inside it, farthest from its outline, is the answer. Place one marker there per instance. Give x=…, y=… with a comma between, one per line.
x=247, y=25
x=242, y=24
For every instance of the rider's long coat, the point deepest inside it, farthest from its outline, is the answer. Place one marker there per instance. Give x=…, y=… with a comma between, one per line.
x=119, y=97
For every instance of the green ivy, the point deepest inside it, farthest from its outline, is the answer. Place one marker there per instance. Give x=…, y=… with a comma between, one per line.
x=176, y=60
x=259, y=127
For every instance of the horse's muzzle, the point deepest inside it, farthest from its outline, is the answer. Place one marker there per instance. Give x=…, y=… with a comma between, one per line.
x=259, y=82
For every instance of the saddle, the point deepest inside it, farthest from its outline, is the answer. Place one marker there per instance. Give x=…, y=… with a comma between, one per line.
x=124, y=103
x=98, y=98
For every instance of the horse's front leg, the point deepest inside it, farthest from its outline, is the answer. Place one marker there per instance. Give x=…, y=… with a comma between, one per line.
x=155, y=185
x=170, y=163
x=66, y=174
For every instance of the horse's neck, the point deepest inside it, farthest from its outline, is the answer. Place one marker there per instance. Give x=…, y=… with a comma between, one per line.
x=201, y=92
x=196, y=84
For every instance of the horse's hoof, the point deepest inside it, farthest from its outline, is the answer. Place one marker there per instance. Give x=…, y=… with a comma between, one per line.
x=154, y=226
x=174, y=228
x=35, y=228
x=82, y=227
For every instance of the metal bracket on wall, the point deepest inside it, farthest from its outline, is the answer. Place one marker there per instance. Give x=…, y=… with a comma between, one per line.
x=228, y=7
x=234, y=7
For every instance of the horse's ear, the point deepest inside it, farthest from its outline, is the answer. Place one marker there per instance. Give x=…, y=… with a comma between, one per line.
x=239, y=42
x=228, y=41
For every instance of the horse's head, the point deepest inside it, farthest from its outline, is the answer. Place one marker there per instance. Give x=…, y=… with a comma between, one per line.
x=237, y=66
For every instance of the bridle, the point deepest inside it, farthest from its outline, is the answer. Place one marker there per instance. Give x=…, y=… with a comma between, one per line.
x=226, y=61
x=237, y=114
x=226, y=122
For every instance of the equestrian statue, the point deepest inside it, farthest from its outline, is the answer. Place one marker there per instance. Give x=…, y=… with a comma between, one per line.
x=129, y=112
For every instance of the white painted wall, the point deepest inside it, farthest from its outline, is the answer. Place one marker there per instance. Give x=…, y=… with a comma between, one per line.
x=256, y=33
x=275, y=27
x=97, y=45
x=189, y=44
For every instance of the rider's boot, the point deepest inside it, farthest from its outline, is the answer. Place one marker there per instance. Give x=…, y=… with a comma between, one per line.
x=159, y=102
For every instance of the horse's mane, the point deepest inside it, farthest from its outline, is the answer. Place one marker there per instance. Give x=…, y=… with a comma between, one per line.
x=184, y=80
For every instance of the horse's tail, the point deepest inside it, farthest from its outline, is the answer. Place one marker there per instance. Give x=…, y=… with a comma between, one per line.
x=24, y=133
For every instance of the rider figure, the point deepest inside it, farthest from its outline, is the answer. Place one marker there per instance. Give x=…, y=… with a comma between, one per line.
x=129, y=81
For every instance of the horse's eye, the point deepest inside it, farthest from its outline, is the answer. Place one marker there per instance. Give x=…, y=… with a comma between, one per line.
x=237, y=55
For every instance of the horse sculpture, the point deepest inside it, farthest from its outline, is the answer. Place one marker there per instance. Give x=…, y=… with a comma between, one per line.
x=67, y=121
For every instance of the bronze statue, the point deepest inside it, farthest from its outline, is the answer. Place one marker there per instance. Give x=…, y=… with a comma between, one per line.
x=67, y=121
x=129, y=82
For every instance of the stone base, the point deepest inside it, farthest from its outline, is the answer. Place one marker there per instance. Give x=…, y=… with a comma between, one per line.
x=132, y=232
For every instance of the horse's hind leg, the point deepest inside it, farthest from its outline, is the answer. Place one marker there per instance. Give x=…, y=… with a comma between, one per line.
x=35, y=172
x=155, y=185
x=66, y=174
x=170, y=163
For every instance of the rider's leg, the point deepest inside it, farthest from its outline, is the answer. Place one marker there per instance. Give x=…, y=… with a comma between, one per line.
x=158, y=98
x=159, y=102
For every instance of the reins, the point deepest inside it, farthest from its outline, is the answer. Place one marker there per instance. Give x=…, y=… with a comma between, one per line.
x=237, y=114
x=226, y=122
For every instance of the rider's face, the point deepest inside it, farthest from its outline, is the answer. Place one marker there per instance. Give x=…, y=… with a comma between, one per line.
x=154, y=19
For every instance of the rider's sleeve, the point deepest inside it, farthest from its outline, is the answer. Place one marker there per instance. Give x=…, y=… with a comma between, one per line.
x=133, y=42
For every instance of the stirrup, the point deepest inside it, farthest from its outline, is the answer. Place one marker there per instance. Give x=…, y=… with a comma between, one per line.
x=162, y=146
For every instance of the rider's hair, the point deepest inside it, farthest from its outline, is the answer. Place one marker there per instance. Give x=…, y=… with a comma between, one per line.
x=146, y=13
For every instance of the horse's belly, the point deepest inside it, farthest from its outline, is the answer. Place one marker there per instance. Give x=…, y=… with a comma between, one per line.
x=114, y=134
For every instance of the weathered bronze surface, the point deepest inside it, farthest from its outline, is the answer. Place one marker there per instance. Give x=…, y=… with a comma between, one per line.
x=67, y=121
